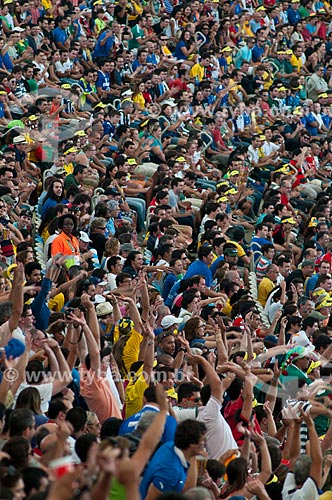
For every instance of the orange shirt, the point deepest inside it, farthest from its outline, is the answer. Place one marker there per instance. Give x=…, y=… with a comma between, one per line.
x=98, y=395
x=68, y=245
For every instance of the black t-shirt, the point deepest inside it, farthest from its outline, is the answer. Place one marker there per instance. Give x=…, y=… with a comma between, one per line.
x=120, y=19
x=98, y=243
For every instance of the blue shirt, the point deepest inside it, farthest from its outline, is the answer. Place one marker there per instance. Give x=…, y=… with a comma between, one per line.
x=103, y=50
x=256, y=243
x=199, y=267
x=178, y=52
x=103, y=81
x=166, y=471
x=215, y=264
x=308, y=120
x=130, y=424
x=257, y=53
x=310, y=284
x=168, y=283
x=173, y=294
x=59, y=35
x=293, y=16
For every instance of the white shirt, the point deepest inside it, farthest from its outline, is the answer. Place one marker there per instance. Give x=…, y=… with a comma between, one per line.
x=182, y=414
x=307, y=492
x=45, y=391
x=219, y=437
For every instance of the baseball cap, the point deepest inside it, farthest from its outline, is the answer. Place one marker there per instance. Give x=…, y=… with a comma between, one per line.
x=317, y=315
x=319, y=293
x=231, y=252
x=127, y=247
x=8, y=199
x=288, y=220
x=308, y=262
x=231, y=191
x=84, y=237
x=313, y=222
x=14, y=348
x=164, y=335
x=94, y=280
x=170, y=320
x=59, y=171
x=70, y=150
x=326, y=302
x=26, y=213
x=302, y=340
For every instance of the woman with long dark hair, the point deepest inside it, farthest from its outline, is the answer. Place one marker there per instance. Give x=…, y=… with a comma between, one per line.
x=54, y=195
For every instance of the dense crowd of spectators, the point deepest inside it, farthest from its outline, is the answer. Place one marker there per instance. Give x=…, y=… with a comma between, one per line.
x=165, y=249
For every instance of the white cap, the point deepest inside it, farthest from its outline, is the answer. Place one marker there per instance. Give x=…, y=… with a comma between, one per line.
x=170, y=320
x=302, y=340
x=84, y=237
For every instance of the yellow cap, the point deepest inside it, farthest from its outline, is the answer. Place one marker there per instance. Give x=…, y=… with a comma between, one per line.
x=223, y=199
x=289, y=220
x=180, y=159
x=80, y=133
x=234, y=172
x=284, y=170
x=70, y=150
x=231, y=191
x=325, y=303
x=313, y=222
x=226, y=49
x=171, y=393
x=100, y=105
x=66, y=86
x=131, y=161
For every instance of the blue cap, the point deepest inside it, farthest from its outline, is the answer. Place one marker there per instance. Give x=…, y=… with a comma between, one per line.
x=14, y=348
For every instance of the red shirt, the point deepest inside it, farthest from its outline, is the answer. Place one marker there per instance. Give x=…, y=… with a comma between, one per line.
x=284, y=199
x=231, y=409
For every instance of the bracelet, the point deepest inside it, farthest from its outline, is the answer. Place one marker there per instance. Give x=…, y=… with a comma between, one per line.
x=150, y=342
x=183, y=349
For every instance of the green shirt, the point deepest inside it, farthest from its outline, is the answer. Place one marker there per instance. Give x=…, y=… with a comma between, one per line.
x=137, y=32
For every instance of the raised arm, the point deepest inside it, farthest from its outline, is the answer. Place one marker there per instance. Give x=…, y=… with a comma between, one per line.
x=16, y=296
x=217, y=389
x=315, y=449
x=92, y=319
x=133, y=313
x=92, y=346
x=62, y=376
